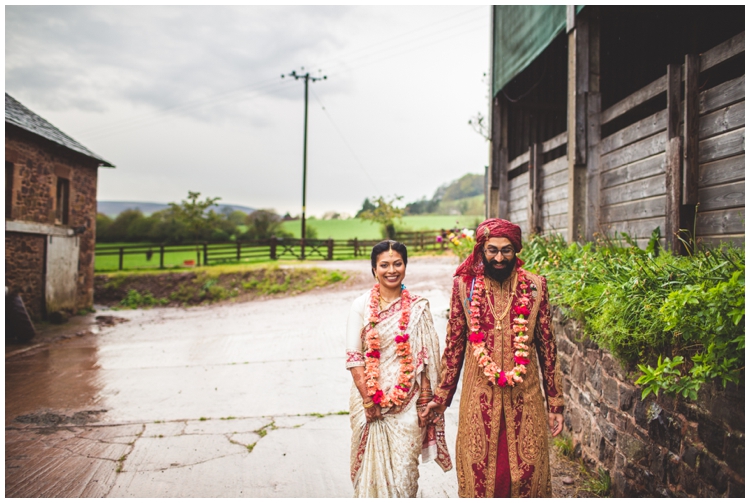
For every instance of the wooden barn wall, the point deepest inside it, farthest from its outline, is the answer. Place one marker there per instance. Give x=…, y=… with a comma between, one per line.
x=721, y=164
x=633, y=181
x=554, y=188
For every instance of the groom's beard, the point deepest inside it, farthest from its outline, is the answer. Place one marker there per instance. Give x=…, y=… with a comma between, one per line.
x=499, y=275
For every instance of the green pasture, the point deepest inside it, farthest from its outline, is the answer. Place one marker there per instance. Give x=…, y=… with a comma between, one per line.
x=363, y=229
x=107, y=258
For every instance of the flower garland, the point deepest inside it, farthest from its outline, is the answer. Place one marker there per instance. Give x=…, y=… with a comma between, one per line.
x=403, y=349
x=494, y=372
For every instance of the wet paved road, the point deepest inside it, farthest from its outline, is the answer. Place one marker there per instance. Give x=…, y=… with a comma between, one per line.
x=221, y=401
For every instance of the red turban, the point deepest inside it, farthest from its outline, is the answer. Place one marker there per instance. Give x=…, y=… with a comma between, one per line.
x=491, y=228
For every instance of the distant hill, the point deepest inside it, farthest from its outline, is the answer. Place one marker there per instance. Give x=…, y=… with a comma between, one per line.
x=114, y=208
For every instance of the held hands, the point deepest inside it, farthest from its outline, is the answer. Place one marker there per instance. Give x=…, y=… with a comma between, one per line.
x=431, y=414
x=555, y=423
x=372, y=412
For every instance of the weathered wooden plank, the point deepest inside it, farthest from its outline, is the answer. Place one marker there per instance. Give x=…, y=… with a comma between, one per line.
x=555, y=166
x=722, y=120
x=633, y=191
x=636, y=228
x=554, y=223
x=737, y=240
x=726, y=170
x=553, y=143
x=644, y=168
x=674, y=91
x=673, y=184
x=724, y=145
x=722, y=52
x=635, y=132
x=556, y=180
x=647, y=147
x=518, y=204
x=535, y=188
x=642, y=95
x=730, y=195
x=690, y=132
x=518, y=217
x=722, y=95
x=558, y=207
x=635, y=210
x=718, y=222
x=519, y=181
x=521, y=159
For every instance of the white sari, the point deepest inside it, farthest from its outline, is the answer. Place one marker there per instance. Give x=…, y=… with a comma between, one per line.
x=385, y=453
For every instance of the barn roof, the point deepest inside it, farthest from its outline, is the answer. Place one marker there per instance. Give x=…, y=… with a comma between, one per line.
x=20, y=116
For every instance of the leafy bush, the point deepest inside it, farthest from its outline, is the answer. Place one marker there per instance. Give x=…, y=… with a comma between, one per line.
x=680, y=319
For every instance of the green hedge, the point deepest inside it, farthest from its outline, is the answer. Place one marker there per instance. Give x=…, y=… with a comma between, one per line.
x=679, y=319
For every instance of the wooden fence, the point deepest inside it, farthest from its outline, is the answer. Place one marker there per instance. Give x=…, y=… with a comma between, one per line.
x=162, y=256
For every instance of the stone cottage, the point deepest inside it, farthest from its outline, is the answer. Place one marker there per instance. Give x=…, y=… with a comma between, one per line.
x=50, y=214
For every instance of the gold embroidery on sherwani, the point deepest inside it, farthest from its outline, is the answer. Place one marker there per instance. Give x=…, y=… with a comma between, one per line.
x=522, y=405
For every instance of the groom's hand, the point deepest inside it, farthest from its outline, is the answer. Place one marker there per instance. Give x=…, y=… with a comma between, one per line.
x=433, y=411
x=555, y=423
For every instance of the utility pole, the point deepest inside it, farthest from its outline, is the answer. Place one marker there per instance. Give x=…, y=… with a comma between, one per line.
x=307, y=79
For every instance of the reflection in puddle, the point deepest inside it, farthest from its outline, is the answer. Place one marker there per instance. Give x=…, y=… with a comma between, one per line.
x=62, y=377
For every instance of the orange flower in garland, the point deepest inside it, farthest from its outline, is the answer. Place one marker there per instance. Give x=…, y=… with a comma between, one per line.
x=403, y=349
x=494, y=372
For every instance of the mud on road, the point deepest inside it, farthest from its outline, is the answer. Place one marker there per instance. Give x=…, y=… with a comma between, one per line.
x=225, y=400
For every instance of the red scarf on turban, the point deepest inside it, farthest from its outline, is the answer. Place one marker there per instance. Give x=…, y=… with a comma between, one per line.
x=492, y=228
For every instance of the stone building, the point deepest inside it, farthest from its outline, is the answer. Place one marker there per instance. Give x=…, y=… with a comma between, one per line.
x=50, y=214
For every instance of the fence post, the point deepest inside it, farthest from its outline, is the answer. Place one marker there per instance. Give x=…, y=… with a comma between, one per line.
x=122, y=252
x=330, y=249
x=205, y=253
x=273, y=248
x=356, y=247
x=239, y=251
x=161, y=256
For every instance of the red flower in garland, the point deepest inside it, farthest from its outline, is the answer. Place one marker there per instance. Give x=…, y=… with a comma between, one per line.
x=373, y=354
x=520, y=360
x=476, y=337
x=378, y=396
x=522, y=310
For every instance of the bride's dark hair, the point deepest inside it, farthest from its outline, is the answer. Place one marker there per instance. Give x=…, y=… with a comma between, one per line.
x=384, y=246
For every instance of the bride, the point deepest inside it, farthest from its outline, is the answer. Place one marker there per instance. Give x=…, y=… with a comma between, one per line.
x=393, y=354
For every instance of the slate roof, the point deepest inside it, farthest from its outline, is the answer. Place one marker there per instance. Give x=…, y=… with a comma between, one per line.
x=19, y=115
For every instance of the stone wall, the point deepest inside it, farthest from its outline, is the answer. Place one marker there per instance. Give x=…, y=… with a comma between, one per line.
x=37, y=163
x=24, y=269
x=654, y=447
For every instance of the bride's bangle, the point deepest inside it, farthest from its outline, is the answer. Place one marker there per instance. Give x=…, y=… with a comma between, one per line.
x=369, y=404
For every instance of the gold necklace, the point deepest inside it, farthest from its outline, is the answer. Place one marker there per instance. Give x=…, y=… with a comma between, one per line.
x=511, y=282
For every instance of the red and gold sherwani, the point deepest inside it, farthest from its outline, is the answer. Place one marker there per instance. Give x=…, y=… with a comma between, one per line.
x=501, y=448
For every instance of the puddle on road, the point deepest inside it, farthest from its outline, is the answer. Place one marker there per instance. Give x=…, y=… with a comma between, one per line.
x=61, y=377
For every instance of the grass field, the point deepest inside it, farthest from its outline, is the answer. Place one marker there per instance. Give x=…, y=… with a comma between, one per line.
x=362, y=229
x=107, y=258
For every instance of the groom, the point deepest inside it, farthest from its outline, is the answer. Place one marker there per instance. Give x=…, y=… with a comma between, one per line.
x=499, y=326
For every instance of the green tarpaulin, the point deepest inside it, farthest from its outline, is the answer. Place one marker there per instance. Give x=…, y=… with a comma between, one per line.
x=522, y=32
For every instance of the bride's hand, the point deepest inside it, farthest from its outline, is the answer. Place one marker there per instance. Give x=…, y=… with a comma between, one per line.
x=373, y=413
x=432, y=412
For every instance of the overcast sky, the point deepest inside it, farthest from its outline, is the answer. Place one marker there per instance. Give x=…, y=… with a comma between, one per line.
x=191, y=98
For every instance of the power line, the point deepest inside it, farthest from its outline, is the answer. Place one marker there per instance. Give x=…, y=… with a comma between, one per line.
x=351, y=150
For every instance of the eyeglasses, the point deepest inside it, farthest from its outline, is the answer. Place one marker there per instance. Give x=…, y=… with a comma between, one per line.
x=506, y=251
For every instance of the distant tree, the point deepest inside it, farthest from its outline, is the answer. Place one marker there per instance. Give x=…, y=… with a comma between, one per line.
x=366, y=206
x=420, y=207
x=263, y=224
x=469, y=185
x=385, y=213
x=237, y=217
x=103, y=223
x=118, y=230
